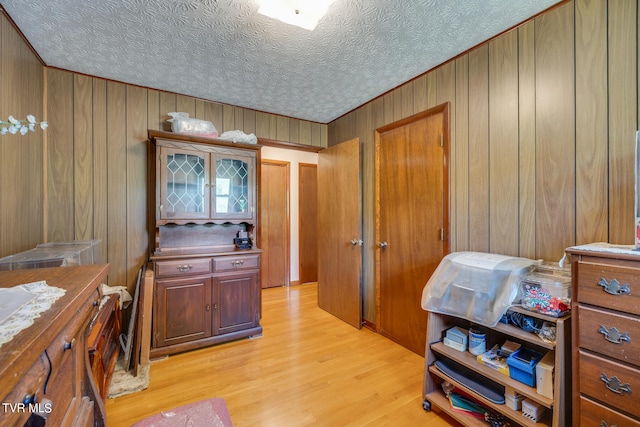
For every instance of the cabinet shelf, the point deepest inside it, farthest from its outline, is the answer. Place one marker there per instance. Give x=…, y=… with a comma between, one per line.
x=557, y=409
x=529, y=337
x=467, y=359
x=438, y=399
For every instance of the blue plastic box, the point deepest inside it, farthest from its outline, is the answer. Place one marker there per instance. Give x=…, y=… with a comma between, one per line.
x=522, y=371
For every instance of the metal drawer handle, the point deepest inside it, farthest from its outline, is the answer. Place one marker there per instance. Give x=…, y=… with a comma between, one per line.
x=184, y=267
x=237, y=263
x=613, y=335
x=603, y=423
x=614, y=287
x=615, y=385
x=30, y=399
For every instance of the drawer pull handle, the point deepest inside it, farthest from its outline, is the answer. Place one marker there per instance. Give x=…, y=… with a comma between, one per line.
x=613, y=335
x=46, y=382
x=237, y=263
x=68, y=345
x=603, y=423
x=615, y=385
x=30, y=399
x=614, y=287
x=184, y=268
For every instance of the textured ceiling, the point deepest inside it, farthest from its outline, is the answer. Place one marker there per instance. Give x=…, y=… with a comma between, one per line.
x=224, y=51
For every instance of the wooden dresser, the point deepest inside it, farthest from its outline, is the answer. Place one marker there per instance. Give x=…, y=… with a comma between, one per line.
x=47, y=364
x=606, y=335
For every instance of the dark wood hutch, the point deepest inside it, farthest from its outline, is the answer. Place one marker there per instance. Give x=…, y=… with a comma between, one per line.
x=203, y=196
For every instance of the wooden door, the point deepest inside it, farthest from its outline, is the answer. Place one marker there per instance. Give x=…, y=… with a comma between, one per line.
x=182, y=310
x=340, y=231
x=308, y=222
x=411, y=191
x=234, y=302
x=274, y=223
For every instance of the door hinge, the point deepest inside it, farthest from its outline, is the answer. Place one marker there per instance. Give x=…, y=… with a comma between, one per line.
x=442, y=234
x=441, y=140
x=160, y=207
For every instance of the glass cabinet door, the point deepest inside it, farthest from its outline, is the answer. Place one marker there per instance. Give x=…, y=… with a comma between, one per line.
x=233, y=195
x=184, y=184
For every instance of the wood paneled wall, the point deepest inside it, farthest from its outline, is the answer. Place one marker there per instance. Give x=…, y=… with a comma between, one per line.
x=85, y=177
x=21, y=157
x=97, y=163
x=542, y=128
x=543, y=122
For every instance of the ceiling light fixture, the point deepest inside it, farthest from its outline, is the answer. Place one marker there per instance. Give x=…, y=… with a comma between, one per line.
x=302, y=13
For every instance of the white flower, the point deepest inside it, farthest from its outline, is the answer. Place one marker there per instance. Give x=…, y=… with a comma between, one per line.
x=13, y=125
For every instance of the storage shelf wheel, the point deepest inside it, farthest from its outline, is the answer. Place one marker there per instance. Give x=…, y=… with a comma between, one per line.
x=426, y=405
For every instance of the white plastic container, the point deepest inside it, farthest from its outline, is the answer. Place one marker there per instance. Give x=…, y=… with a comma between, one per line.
x=546, y=294
x=532, y=410
x=476, y=286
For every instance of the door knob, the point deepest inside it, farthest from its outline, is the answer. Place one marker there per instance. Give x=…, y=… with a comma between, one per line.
x=383, y=244
x=355, y=242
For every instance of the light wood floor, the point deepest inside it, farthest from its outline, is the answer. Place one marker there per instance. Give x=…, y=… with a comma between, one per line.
x=308, y=369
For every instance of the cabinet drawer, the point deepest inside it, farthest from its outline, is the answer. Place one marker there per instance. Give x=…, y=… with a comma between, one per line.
x=182, y=267
x=598, y=328
x=231, y=263
x=595, y=414
x=610, y=382
x=609, y=286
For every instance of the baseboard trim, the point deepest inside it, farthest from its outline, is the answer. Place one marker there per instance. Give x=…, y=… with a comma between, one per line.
x=369, y=325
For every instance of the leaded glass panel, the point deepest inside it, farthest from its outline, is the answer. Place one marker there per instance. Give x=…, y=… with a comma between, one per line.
x=232, y=186
x=186, y=176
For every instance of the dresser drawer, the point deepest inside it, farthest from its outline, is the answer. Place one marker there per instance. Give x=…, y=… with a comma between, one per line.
x=598, y=328
x=609, y=286
x=182, y=267
x=32, y=383
x=595, y=414
x=610, y=382
x=62, y=389
x=232, y=263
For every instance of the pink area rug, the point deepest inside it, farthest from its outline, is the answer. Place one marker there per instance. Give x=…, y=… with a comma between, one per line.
x=205, y=413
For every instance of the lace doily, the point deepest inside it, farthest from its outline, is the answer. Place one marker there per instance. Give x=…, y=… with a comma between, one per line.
x=608, y=247
x=30, y=301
